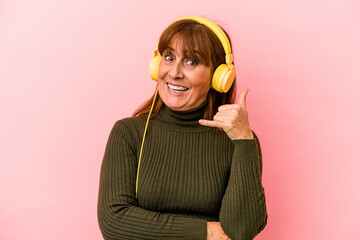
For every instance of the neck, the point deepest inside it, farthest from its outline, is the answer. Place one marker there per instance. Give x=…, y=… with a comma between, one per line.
x=189, y=118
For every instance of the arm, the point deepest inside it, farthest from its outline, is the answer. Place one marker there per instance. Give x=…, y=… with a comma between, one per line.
x=243, y=210
x=119, y=215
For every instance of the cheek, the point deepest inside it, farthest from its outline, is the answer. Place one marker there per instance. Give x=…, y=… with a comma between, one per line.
x=205, y=89
x=161, y=70
x=203, y=80
x=201, y=89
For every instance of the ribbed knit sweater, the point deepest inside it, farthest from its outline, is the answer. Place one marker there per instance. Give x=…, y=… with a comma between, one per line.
x=189, y=174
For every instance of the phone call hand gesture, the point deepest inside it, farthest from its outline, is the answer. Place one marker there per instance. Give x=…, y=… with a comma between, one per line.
x=232, y=119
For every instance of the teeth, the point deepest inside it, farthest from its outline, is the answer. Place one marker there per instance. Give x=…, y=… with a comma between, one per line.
x=177, y=88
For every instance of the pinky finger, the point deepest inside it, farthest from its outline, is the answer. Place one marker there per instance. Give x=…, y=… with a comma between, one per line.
x=210, y=123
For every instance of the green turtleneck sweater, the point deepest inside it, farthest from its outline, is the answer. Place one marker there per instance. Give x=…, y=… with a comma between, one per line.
x=189, y=174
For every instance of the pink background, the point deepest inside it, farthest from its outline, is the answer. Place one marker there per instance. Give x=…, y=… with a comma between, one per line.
x=69, y=69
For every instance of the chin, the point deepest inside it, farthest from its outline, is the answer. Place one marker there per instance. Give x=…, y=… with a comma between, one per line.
x=175, y=106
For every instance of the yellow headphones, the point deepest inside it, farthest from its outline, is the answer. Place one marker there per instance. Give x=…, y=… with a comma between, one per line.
x=224, y=74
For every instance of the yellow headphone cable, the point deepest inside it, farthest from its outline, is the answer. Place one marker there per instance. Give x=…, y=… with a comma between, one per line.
x=143, y=140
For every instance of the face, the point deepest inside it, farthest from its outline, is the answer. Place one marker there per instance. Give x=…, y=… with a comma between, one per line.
x=183, y=83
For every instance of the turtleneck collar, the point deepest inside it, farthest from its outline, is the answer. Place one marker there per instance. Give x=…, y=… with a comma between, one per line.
x=188, y=119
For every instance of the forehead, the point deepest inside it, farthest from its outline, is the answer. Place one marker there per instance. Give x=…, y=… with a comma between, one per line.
x=178, y=45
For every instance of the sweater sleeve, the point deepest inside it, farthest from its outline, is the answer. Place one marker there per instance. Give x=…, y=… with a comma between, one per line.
x=243, y=211
x=119, y=215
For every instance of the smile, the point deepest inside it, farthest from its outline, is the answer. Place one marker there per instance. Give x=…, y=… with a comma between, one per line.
x=177, y=89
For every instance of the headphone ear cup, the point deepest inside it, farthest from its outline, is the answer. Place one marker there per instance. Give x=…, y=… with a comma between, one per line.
x=223, y=78
x=154, y=67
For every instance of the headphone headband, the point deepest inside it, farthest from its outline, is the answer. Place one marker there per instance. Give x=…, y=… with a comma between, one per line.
x=218, y=32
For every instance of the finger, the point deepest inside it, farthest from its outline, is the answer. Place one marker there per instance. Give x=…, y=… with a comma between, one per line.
x=210, y=123
x=225, y=119
x=229, y=107
x=242, y=97
x=229, y=112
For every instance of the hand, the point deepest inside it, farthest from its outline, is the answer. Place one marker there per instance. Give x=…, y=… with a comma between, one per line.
x=233, y=119
x=215, y=232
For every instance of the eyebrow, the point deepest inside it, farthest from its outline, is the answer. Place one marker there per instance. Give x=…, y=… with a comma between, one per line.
x=173, y=50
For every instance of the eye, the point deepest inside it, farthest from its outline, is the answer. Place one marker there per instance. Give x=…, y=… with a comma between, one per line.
x=192, y=63
x=168, y=57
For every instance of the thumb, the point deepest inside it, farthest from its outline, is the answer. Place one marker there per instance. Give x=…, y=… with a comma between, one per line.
x=242, y=97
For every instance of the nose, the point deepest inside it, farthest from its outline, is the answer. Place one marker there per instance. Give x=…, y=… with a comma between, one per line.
x=176, y=71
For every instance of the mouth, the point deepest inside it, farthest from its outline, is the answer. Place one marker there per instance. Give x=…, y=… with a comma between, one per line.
x=176, y=88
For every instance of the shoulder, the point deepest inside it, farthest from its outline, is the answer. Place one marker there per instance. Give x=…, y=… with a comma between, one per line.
x=131, y=122
x=132, y=126
x=126, y=132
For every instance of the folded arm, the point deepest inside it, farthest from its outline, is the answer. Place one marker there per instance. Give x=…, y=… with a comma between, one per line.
x=119, y=215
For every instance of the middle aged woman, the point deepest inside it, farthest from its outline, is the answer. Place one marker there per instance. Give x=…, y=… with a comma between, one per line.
x=198, y=174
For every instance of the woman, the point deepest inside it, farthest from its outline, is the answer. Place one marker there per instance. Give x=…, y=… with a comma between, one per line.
x=198, y=174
